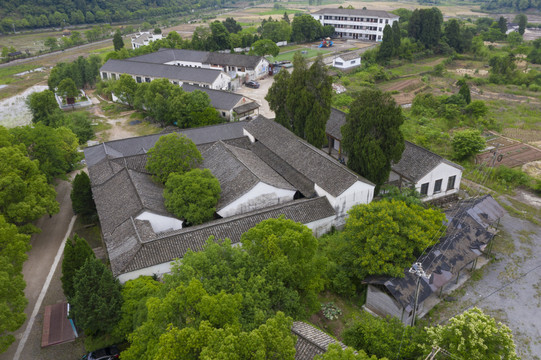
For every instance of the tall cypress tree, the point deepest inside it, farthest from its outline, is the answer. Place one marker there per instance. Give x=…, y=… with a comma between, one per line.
x=396, y=38
x=386, y=48
x=76, y=252
x=319, y=87
x=97, y=301
x=81, y=196
x=118, y=43
x=372, y=136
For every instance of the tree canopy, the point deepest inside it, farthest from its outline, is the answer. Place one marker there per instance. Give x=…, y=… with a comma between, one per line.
x=372, y=137
x=81, y=196
x=302, y=100
x=385, y=237
x=192, y=195
x=97, y=301
x=467, y=143
x=474, y=335
x=13, y=249
x=118, y=43
x=172, y=153
x=76, y=252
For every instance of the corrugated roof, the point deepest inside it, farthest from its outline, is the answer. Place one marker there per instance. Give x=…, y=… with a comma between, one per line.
x=171, y=72
x=313, y=163
x=175, y=245
x=357, y=12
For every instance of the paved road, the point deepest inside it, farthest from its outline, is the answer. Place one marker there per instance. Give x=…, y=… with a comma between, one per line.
x=45, y=246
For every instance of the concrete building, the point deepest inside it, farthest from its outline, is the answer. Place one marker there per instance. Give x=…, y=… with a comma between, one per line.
x=346, y=61
x=355, y=23
x=144, y=38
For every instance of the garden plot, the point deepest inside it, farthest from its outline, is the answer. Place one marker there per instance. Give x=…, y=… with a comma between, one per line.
x=407, y=89
x=512, y=155
x=13, y=110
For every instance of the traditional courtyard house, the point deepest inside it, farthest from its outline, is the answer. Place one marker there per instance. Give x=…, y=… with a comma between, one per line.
x=258, y=180
x=430, y=174
x=355, y=23
x=231, y=106
x=471, y=226
x=346, y=61
x=144, y=38
x=146, y=72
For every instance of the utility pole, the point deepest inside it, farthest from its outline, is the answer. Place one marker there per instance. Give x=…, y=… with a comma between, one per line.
x=417, y=270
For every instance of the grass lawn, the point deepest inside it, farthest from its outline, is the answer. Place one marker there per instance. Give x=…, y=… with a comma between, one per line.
x=102, y=52
x=288, y=56
x=515, y=115
x=279, y=12
x=417, y=67
x=7, y=74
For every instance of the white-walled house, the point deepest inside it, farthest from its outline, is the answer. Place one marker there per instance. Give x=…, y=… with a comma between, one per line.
x=356, y=23
x=144, y=38
x=430, y=174
x=145, y=72
x=346, y=61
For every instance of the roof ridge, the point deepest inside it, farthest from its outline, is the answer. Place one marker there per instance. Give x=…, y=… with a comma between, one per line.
x=227, y=146
x=239, y=216
x=135, y=187
x=442, y=159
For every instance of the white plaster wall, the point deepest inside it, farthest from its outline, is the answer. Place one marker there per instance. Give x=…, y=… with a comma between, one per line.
x=221, y=82
x=159, y=270
x=358, y=193
x=346, y=64
x=250, y=136
x=196, y=64
x=160, y=223
x=260, y=196
x=442, y=171
x=322, y=226
x=262, y=69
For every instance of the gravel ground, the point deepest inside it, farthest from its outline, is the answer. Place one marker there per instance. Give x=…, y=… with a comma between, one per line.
x=517, y=264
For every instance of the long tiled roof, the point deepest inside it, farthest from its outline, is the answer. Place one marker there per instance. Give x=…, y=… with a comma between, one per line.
x=313, y=163
x=337, y=119
x=219, y=99
x=180, y=73
x=356, y=12
x=173, y=246
x=466, y=237
x=205, y=57
x=311, y=341
x=416, y=162
x=141, y=144
x=238, y=171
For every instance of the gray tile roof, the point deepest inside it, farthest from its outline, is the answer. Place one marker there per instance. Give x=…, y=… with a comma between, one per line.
x=337, y=119
x=244, y=108
x=238, y=171
x=219, y=99
x=172, y=72
x=141, y=144
x=465, y=239
x=125, y=195
x=356, y=12
x=173, y=246
x=313, y=163
x=417, y=161
x=311, y=341
x=348, y=56
x=205, y=57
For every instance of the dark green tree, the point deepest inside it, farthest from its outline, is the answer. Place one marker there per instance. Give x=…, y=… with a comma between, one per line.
x=386, y=49
x=97, y=300
x=372, y=136
x=172, y=153
x=277, y=97
x=397, y=37
x=76, y=252
x=13, y=249
x=44, y=107
x=425, y=26
x=232, y=25
x=452, y=34
x=81, y=196
x=264, y=47
x=502, y=24
x=285, y=17
x=67, y=88
x=192, y=196
x=522, y=21
x=305, y=28
x=319, y=88
x=467, y=143
x=219, y=38
x=125, y=89
x=118, y=42
x=465, y=92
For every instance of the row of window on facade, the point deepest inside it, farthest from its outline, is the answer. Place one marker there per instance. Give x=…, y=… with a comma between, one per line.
x=357, y=27
x=139, y=80
x=358, y=36
x=346, y=18
x=339, y=63
x=438, y=184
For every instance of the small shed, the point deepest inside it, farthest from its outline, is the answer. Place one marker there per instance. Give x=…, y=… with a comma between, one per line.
x=347, y=61
x=57, y=328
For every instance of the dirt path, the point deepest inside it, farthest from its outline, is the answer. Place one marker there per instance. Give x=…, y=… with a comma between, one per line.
x=45, y=246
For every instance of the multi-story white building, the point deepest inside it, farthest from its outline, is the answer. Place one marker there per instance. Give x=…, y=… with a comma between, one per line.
x=356, y=24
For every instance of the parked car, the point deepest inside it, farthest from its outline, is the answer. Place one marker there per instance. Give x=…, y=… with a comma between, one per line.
x=108, y=353
x=252, y=84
